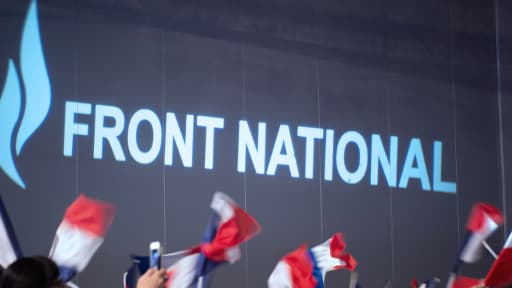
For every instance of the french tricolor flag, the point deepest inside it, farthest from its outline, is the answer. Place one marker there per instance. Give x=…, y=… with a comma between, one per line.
x=229, y=227
x=501, y=271
x=9, y=247
x=81, y=232
x=483, y=221
x=306, y=268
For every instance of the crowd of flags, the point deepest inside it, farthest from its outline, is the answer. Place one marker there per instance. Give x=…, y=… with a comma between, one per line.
x=229, y=227
x=86, y=222
x=483, y=220
x=78, y=237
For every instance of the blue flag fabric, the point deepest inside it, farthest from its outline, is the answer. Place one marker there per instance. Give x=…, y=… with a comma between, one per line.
x=9, y=248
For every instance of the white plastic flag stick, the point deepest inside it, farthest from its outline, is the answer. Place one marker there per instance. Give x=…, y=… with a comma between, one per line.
x=489, y=249
x=353, y=279
x=72, y=285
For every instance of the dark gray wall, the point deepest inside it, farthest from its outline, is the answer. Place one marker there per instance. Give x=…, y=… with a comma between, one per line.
x=406, y=68
x=504, y=22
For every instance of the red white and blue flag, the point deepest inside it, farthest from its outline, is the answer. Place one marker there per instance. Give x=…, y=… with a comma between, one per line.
x=430, y=283
x=80, y=234
x=229, y=227
x=483, y=221
x=306, y=268
x=501, y=271
x=9, y=247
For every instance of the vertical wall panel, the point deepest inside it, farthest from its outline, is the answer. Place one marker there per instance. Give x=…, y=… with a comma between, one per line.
x=353, y=98
x=419, y=90
x=120, y=65
x=202, y=77
x=505, y=80
x=279, y=89
x=478, y=162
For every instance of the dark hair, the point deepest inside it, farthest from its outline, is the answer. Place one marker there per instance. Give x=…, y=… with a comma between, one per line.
x=31, y=272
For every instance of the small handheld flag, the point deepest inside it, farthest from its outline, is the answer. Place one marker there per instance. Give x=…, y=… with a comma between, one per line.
x=81, y=232
x=306, y=268
x=229, y=227
x=233, y=227
x=501, y=271
x=483, y=221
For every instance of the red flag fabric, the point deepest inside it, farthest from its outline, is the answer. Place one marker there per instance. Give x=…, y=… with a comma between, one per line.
x=501, y=271
x=463, y=282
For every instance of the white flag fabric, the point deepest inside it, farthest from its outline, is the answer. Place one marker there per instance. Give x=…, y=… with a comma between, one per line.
x=80, y=234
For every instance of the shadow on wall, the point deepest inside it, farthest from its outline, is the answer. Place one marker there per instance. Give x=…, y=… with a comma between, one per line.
x=292, y=28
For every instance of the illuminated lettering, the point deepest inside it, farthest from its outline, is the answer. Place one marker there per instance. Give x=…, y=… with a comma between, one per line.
x=184, y=144
x=246, y=144
x=329, y=154
x=210, y=123
x=71, y=128
x=379, y=156
x=144, y=157
x=415, y=154
x=283, y=141
x=110, y=134
x=311, y=134
x=109, y=125
x=358, y=140
x=440, y=185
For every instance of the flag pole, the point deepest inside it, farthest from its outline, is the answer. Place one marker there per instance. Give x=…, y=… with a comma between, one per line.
x=353, y=279
x=489, y=249
x=72, y=285
x=451, y=280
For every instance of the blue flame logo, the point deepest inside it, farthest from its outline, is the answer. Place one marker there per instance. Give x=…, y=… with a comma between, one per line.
x=37, y=97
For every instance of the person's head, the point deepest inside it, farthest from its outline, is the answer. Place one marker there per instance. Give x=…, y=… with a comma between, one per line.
x=31, y=272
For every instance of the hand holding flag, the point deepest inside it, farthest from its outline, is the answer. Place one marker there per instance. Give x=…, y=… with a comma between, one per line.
x=229, y=227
